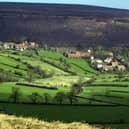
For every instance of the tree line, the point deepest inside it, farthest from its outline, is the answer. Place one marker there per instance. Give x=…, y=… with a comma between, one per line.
x=59, y=98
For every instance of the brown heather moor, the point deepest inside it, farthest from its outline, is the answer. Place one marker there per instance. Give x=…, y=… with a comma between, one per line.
x=13, y=122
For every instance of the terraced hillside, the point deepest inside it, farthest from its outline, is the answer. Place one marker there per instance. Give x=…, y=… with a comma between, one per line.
x=43, y=81
x=37, y=72
x=45, y=69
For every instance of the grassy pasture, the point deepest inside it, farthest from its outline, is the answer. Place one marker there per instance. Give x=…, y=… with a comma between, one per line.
x=26, y=91
x=100, y=95
x=61, y=81
x=77, y=65
x=90, y=95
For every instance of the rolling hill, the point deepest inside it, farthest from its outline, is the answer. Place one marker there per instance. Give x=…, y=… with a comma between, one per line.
x=64, y=25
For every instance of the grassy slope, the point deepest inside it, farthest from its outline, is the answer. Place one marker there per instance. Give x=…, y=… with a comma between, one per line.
x=6, y=89
x=80, y=66
x=62, y=79
x=12, y=122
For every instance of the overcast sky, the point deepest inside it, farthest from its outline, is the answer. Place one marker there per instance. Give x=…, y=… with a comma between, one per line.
x=124, y=4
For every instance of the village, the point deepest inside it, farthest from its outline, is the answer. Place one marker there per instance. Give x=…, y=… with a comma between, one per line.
x=108, y=64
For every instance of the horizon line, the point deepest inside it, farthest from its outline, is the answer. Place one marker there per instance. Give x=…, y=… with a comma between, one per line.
x=109, y=7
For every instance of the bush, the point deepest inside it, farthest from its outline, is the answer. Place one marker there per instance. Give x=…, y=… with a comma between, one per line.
x=42, y=73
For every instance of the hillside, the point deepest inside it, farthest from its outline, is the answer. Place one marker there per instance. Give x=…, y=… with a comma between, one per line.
x=46, y=85
x=64, y=25
x=12, y=122
x=44, y=67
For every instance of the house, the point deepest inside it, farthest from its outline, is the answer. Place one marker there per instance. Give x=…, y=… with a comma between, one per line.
x=99, y=61
x=108, y=60
x=20, y=46
x=121, y=67
x=99, y=66
x=115, y=63
x=9, y=45
x=33, y=45
x=77, y=55
x=107, y=68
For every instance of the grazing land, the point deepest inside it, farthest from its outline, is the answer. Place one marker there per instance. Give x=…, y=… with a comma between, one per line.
x=54, y=87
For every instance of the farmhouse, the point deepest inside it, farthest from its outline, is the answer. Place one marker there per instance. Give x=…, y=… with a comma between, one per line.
x=9, y=45
x=78, y=55
x=20, y=46
x=99, y=61
x=108, y=60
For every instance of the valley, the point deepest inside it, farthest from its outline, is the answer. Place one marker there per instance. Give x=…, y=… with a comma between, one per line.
x=47, y=81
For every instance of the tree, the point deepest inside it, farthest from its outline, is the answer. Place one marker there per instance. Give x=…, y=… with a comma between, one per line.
x=15, y=95
x=77, y=87
x=46, y=98
x=60, y=96
x=34, y=97
x=71, y=97
x=30, y=76
x=66, y=65
x=42, y=72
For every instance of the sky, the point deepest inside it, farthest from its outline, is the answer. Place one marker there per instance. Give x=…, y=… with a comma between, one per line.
x=123, y=4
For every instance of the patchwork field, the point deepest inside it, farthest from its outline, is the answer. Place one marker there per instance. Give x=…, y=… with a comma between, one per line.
x=42, y=80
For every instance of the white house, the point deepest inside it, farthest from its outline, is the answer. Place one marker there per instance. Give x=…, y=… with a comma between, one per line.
x=99, y=66
x=108, y=60
x=99, y=61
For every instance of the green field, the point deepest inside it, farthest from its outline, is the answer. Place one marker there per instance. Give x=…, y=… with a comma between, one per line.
x=106, y=96
x=16, y=62
x=90, y=114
